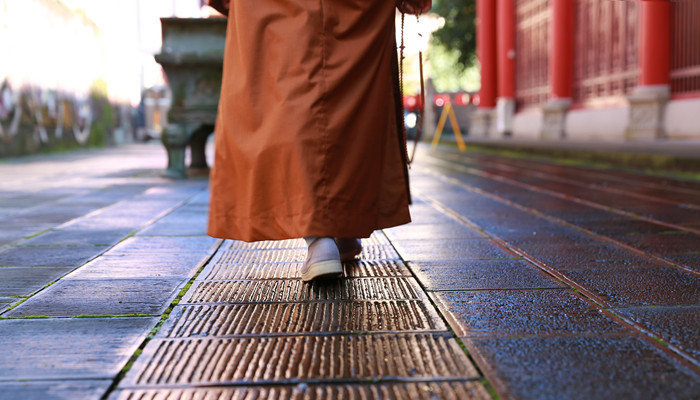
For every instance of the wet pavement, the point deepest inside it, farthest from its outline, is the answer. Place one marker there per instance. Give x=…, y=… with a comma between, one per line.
x=518, y=279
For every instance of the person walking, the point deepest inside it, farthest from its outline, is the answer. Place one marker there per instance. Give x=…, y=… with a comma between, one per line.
x=309, y=138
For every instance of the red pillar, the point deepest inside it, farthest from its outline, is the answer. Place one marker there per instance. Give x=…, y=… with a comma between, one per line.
x=561, y=56
x=655, y=46
x=506, y=48
x=486, y=51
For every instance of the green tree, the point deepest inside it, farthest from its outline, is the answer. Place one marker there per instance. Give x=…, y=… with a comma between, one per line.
x=459, y=32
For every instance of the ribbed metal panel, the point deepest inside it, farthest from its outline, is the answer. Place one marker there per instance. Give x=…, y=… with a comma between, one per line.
x=360, y=268
x=393, y=391
x=289, y=359
x=266, y=245
x=298, y=318
x=229, y=257
x=287, y=290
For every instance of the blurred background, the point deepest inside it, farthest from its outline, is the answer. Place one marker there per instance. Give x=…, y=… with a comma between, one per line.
x=83, y=73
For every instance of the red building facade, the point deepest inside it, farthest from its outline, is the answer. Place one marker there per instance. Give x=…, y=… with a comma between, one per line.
x=589, y=69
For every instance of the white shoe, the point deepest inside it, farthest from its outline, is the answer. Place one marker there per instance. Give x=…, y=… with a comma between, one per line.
x=322, y=260
x=321, y=270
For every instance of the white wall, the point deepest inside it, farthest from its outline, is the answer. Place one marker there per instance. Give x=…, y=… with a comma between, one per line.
x=682, y=119
x=597, y=124
x=528, y=124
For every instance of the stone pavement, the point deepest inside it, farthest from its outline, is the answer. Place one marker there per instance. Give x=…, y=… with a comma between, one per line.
x=517, y=279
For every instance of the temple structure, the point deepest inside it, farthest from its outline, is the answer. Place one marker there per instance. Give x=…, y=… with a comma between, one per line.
x=588, y=69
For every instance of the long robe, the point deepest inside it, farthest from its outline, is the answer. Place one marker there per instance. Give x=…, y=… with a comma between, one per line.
x=307, y=140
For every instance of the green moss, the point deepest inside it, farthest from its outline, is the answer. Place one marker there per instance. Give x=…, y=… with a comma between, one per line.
x=490, y=389
x=36, y=234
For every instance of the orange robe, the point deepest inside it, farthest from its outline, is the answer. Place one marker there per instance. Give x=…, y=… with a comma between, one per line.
x=307, y=140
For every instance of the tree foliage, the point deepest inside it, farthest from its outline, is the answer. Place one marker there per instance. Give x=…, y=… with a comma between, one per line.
x=459, y=32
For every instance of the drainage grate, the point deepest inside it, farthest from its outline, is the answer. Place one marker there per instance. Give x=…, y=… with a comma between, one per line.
x=219, y=271
x=228, y=257
x=290, y=359
x=288, y=290
x=300, y=318
x=389, y=391
x=266, y=245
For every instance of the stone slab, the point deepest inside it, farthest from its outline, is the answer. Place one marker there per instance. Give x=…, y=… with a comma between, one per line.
x=675, y=325
x=640, y=286
x=621, y=228
x=665, y=213
x=582, y=367
x=294, y=290
x=468, y=390
x=581, y=256
x=168, y=245
x=75, y=348
x=421, y=231
x=135, y=267
x=292, y=359
x=68, y=237
x=6, y=302
x=25, y=281
x=301, y=318
x=55, y=390
x=72, y=297
x=525, y=234
x=469, y=249
x=511, y=313
x=48, y=256
x=128, y=223
x=481, y=274
x=690, y=260
x=178, y=224
x=54, y=213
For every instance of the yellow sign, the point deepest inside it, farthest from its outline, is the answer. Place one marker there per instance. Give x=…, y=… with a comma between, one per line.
x=448, y=111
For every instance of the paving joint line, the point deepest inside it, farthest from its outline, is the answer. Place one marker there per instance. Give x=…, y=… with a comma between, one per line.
x=564, y=223
x=587, y=295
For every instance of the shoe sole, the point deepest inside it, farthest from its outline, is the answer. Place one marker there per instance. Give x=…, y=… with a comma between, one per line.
x=323, y=270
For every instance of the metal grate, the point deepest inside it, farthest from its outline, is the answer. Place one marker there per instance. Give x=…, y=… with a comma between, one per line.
x=532, y=60
x=606, y=50
x=293, y=290
x=226, y=361
x=300, y=318
x=685, y=50
x=387, y=391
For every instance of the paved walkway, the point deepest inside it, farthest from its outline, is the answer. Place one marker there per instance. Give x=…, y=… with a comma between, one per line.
x=517, y=279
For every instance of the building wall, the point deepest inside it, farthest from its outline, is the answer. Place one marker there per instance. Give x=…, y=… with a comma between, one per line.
x=52, y=91
x=607, y=71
